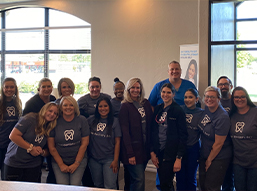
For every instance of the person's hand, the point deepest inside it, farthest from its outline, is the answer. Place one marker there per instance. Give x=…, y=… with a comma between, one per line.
x=64, y=168
x=154, y=159
x=207, y=164
x=115, y=166
x=132, y=160
x=36, y=150
x=177, y=165
x=73, y=167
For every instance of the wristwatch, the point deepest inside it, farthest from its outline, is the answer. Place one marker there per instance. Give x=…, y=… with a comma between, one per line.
x=30, y=148
x=179, y=157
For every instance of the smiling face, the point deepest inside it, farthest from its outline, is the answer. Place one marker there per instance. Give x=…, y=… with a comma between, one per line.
x=45, y=89
x=190, y=100
x=51, y=113
x=94, y=88
x=225, y=87
x=65, y=89
x=167, y=95
x=67, y=108
x=240, y=99
x=191, y=71
x=174, y=71
x=103, y=109
x=119, y=90
x=9, y=89
x=134, y=91
x=211, y=100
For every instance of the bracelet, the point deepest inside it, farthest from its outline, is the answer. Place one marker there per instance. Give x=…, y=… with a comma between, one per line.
x=43, y=153
x=30, y=148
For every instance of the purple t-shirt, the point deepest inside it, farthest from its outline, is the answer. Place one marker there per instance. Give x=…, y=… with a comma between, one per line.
x=211, y=124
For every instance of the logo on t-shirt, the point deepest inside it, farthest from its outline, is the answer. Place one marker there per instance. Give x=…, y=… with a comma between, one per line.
x=189, y=118
x=69, y=134
x=163, y=117
x=206, y=120
x=240, y=127
x=39, y=138
x=101, y=126
x=141, y=111
x=10, y=111
x=95, y=106
x=227, y=109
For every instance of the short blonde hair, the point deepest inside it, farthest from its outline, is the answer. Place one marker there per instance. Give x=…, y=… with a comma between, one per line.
x=130, y=83
x=44, y=80
x=214, y=89
x=74, y=103
x=174, y=62
x=69, y=82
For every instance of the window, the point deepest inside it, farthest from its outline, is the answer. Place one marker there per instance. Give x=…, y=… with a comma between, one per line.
x=234, y=43
x=42, y=42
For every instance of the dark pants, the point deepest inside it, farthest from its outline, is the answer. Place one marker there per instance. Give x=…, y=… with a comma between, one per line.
x=165, y=172
x=87, y=178
x=22, y=174
x=2, y=156
x=214, y=177
x=50, y=177
x=228, y=184
x=126, y=179
x=245, y=178
x=186, y=177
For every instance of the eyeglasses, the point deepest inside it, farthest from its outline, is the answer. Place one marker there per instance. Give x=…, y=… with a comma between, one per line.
x=239, y=97
x=211, y=97
x=225, y=84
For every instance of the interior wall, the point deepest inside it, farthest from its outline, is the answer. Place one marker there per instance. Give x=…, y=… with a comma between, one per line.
x=135, y=38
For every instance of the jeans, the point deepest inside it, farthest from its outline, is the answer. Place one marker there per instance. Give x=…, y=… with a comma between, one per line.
x=137, y=176
x=22, y=174
x=213, y=178
x=186, y=177
x=245, y=178
x=68, y=178
x=2, y=156
x=102, y=174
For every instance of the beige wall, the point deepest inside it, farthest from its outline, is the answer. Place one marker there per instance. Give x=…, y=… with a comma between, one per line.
x=138, y=38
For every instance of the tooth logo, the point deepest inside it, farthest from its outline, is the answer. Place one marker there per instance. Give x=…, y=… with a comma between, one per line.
x=101, y=126
x=68, y=134
x=163, y=117
x=227, y=109
x=206, y=120
x=10, y=111
x=240, y=127
x=189, y=118
x=39, y=138
x=141, y=111
x=95, y=105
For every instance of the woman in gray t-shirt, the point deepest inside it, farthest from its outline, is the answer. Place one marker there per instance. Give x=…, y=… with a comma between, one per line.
x=28, y=140
x=68, y=143
x=244, y=136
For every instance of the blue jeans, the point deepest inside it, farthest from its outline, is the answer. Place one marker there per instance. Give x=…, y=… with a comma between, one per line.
x=186, y=177
x=68, y=178
x=102, y=174
x=137, y=176
x=245, y=178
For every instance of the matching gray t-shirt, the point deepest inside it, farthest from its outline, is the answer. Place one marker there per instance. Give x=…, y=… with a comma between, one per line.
x=226, y=104
x=101, y=144
x=163, y=125
x=211, y=124
x=244, y=136
x=116, y=104
x=18, y=157
x=87, y=104
x=193, y=117
x=10, y=118
x=67, y=137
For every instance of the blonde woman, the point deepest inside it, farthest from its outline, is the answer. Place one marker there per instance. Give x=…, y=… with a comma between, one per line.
x=28, y=143
x=135, y=118
x=65, y=87
x=68, y=143
x=10, y=111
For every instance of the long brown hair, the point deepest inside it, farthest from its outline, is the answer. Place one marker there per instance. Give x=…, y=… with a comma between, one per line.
x=16, y=98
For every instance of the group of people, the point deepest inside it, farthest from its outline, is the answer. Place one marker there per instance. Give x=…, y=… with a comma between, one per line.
x=86, y=139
